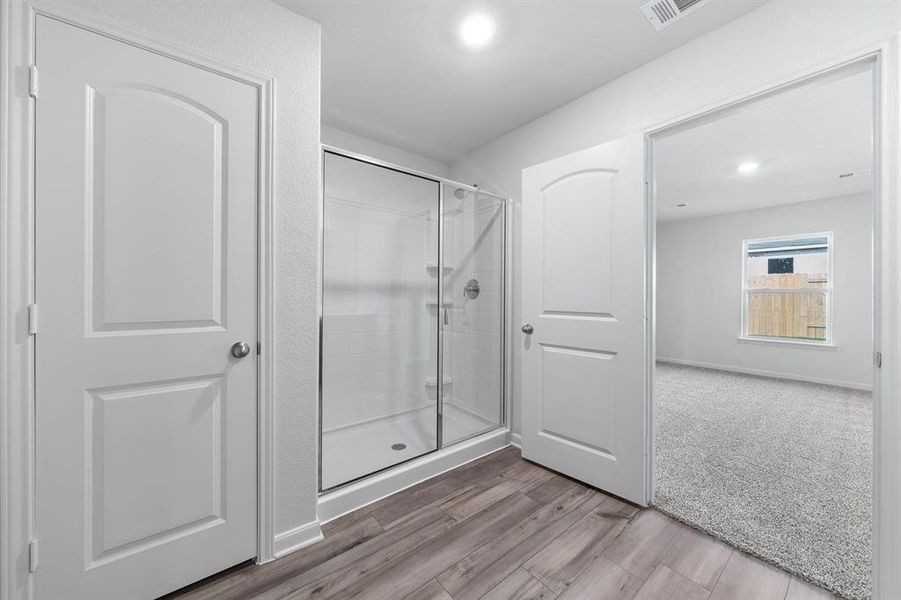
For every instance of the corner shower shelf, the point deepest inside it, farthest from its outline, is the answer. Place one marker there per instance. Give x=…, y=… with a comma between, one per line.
x=432, y=269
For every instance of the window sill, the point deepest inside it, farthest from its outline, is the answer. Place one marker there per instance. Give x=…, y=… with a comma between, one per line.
x=785, y=342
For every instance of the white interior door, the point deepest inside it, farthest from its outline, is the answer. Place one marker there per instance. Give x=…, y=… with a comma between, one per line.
x=583, y=286
x=146, y=171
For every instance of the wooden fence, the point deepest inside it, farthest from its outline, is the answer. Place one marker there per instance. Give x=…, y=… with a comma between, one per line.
x=785, y=313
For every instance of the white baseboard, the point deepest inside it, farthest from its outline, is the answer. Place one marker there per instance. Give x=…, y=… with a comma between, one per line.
x=773, y=374
x=516, y=440
x=297, y=538
x=356, y=495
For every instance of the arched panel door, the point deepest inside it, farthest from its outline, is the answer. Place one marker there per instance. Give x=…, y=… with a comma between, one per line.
x=146, y=201
x=583, y=307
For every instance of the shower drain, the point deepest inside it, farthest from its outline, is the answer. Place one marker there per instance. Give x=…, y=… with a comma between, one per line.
x=398, y=446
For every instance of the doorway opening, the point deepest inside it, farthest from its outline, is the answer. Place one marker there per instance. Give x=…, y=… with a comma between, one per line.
x=764, y=301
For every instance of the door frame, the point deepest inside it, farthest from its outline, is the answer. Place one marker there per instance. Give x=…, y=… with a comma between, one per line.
x=18, y=526
x=884, y=55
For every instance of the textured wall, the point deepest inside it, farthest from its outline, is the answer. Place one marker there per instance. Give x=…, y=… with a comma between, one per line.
x=773, y=42
x=269, y=39
x=700, y=323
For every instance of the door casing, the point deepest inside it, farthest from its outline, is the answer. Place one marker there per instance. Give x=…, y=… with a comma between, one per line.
x=18, y=525
x=884, y=55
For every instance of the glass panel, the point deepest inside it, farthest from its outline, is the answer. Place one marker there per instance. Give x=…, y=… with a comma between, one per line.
x=379, y=322
x=783, y=282
x=474, y=305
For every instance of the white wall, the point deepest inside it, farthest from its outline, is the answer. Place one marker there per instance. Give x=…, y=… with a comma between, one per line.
x=699, y=305
x=772, y=43
x=269, y=39
x=363, y=145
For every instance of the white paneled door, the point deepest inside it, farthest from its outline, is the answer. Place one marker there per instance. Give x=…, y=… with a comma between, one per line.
x=146, y=201
x=583, y=285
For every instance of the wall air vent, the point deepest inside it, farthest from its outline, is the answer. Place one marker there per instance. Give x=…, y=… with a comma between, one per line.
x=663, y=12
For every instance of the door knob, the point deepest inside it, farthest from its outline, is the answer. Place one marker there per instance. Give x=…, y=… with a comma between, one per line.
x=527, y=329
x=240, y=349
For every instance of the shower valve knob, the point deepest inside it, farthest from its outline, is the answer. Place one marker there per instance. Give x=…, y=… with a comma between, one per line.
x=471, y=290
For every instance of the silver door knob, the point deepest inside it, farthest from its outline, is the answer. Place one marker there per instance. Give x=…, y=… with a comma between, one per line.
x=527, y=329
x=240, y=349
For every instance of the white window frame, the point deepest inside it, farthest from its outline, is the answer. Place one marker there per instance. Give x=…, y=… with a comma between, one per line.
x=829, y=341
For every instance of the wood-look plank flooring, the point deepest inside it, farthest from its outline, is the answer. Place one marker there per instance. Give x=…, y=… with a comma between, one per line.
x=502, y=528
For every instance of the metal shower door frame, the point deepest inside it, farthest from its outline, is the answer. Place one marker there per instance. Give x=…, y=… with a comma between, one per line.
x=504, y=300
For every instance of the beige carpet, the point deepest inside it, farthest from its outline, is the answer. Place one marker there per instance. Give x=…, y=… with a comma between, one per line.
x=778, y=468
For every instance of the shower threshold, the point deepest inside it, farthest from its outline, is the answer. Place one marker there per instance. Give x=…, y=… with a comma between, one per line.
x=352, y=496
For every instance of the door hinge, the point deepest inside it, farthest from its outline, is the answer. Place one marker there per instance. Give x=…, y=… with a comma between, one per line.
x=33, y=81
x=32, y=556
x=32, y=319
x=877, y=358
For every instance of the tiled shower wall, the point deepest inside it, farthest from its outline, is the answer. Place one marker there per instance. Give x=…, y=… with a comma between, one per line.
x=378, y=344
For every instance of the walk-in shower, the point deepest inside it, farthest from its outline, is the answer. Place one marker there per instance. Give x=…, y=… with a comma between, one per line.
x=413, y=316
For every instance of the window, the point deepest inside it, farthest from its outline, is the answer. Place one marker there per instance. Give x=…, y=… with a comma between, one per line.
x=787, y=288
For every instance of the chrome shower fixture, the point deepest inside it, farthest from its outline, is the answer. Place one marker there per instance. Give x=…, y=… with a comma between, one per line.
x=471, y=290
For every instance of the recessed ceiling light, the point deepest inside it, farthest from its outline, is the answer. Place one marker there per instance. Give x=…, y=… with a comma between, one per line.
x=477, y=30
x=746, y=168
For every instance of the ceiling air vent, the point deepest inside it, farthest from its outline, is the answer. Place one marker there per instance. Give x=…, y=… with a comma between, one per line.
x=663, y=12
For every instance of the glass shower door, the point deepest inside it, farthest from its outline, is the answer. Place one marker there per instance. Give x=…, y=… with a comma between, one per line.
x=473, y=332
x=379, y=319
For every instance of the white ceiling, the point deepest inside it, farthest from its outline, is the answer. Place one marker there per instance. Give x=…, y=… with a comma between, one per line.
x=395, y=72
x=802, y=139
